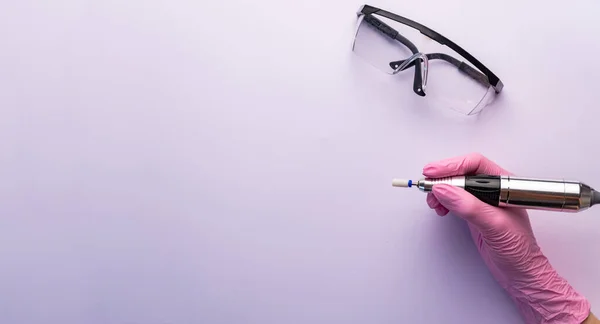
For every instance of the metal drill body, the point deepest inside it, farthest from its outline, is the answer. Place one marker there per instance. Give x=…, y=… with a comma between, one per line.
x=560, y=195
x=530, y=193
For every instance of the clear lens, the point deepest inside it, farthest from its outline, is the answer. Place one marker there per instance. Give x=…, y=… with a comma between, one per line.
x=451, y=88
x=452, y=82
x=377, y=48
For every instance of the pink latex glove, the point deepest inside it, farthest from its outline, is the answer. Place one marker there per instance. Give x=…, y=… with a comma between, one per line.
x=506, y=242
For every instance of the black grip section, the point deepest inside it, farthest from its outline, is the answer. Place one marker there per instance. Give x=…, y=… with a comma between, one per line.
x=485, y=187
x=389, y=31
x=595, y=197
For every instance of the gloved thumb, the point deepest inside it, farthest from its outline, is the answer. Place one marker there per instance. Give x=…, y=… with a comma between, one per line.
x=463, y=204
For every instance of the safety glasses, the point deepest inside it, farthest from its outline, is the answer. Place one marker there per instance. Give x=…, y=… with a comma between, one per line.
x=448, y=75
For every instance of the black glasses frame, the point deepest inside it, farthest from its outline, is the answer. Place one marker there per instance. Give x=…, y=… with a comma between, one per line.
x=486, y=77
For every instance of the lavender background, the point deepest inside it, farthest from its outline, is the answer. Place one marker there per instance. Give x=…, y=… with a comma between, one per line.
x=216, y=162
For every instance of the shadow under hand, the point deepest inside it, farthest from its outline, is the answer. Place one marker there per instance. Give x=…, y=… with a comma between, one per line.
x=460, y=271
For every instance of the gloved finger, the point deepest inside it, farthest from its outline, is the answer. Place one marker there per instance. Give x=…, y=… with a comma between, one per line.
x=473, y=163
x=463, y=204
x=441, y=210
x=432, y=202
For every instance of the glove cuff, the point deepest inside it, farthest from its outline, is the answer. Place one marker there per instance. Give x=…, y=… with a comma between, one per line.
x=550, y=302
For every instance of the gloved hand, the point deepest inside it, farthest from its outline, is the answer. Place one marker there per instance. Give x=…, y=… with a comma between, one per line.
x=507, y=244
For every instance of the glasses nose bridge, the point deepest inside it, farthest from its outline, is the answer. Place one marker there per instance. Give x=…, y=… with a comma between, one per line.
x=418, y=58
